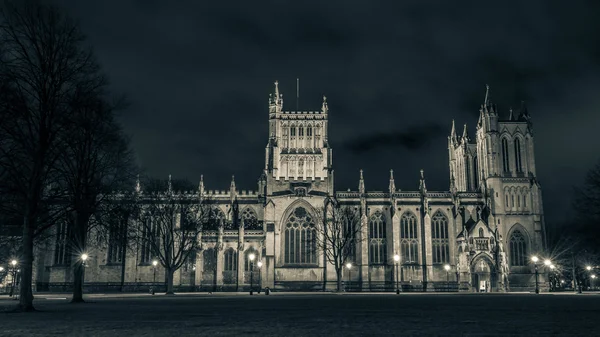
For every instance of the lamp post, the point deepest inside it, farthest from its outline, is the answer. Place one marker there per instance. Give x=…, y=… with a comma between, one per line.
x=447, y=268
x=349, y=267
x=14, y=276
x=397, y=262
x=552, y=277
x=84, y=258
x=592, y=283
x=154, y=264
x=259, y=264
x=535, y=260
x=251, y=257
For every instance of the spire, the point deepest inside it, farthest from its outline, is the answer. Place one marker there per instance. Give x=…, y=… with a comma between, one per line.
x=201, y=185
x=422, y=186
x=465, y=135
x=453, y=133
x=324, y=107
x=276, y=90
x=487, y=100
x=361, y=183
x=392, y=184
x=138, y=187
x=170, y=185
x=232, y=195
x=510, y=116
x=523, y=113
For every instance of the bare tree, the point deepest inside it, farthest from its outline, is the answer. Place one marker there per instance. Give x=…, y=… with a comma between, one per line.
x=95, y=160
x=587, y=207
x=41, y=65
x=338, y=231
x=170, y=225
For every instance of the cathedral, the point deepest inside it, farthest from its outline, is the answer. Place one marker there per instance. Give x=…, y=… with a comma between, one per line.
x=476, y=237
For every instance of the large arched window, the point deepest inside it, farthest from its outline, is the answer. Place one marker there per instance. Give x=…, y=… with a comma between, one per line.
x=468, y=173
x=300, y=246
x=230, y=258
x=216, y=218
x=250, y=219
x=377, y=251
x=517, y=249
x=409, y=246
x=210, y=260
x=505, y=160
x=518, y=155
x=439, y=238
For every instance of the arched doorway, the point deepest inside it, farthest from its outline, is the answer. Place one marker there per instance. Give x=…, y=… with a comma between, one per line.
x=483, y=274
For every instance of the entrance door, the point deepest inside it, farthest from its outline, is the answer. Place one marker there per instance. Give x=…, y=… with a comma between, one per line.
x=482, y=277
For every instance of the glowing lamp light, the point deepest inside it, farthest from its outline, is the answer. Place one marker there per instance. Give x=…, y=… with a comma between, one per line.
x=547, y=262
x=154, y=263
x=84, y=257
x=13, y=262
x=534, y=259
x=349, y=265
x=588, y=268
x=447, y=267
x=252, y=257
x=396, y=257
x=259, y=264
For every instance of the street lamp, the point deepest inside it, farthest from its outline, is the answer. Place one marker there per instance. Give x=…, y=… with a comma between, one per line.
x=154, y=264
x=588, y=268
x=259, y=264
x=14, y=277
x=447, y=268
x=592, y=285
x=397, y=262
x=251, y=257
x=535, y=260
x=349, y=267
x=84, y=258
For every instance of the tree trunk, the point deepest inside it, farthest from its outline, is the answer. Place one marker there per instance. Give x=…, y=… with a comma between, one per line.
x=26, y=266
x=170, y=273
x=338, y=272
x=78, y=282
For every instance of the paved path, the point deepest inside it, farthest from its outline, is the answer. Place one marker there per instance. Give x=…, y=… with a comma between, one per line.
x=312, y=314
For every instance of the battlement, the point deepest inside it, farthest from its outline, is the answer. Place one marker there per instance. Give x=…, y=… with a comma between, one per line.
x=303, y=112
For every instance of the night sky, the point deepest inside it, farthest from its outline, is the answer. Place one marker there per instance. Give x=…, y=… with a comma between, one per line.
x=198, y=75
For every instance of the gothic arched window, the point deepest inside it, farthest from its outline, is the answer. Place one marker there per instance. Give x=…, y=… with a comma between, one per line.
x=216, y=218
x=480, y=232
x=518, y=155
x=439, y=238
x=377, y=249
x=517, y=249
x=250, y=219
x=300, y=245
x=230, y=260
x=210, y=260
x=409, y=245
x=505, y=161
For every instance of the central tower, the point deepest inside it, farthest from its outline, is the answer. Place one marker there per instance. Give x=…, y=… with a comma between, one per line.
x=298, y=156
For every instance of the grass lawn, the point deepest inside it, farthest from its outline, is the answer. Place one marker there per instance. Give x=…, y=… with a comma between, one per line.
x=309, y=315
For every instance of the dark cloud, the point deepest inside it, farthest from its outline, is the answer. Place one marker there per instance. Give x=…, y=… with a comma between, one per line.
x=413, y=139
x=198, y=74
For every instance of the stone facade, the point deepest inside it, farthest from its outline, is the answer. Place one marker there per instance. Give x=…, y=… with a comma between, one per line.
x=478, y=236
